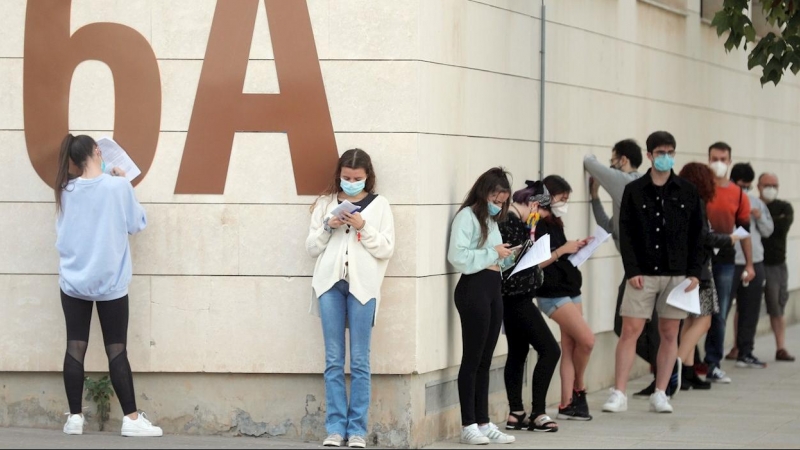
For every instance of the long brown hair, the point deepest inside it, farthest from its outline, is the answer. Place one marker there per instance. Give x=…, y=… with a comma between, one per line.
x=702, y=177
x=494, y=180
x=77, y=149
x=354, y=158
x=556, y=185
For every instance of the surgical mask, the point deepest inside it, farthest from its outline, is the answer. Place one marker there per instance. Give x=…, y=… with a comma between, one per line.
x=720, y=168
x=494, y=209
x=103, y=165
x=770, y=193
x=664, y=163
x=354, y=188
x=559, y=209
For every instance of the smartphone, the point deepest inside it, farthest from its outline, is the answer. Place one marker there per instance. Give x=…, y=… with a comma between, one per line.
x=514, y=249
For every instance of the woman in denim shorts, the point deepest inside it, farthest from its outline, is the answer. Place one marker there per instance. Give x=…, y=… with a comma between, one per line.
x=560, y=299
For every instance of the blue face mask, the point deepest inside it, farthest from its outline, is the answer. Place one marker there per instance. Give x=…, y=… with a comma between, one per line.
x=352, y=189
x=664, y=163
x=494, y=209
x=103, y=165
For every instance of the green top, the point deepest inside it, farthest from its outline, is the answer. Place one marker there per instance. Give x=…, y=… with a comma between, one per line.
x=464, y=253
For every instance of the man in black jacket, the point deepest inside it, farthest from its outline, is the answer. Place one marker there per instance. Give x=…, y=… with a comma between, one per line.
x=660, y=231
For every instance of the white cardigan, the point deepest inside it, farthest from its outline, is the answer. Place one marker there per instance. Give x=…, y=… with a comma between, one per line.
x=367, y=259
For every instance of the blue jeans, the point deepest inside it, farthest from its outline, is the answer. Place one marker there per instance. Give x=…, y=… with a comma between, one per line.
x=340, y=309
x=715, y=339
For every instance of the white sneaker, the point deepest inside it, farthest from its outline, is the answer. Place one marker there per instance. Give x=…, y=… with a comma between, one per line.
x=356, y=442
x=618, y=402
x=471, y=435
x=659, y=402
x=718, y=375
x=74, y=424
x=334, y=440
x=140, y=427
x=494, y=434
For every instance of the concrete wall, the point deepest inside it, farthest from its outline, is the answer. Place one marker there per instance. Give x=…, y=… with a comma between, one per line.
x=437, y=92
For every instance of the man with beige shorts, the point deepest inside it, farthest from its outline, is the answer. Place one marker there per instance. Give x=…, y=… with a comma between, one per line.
x=660, y=228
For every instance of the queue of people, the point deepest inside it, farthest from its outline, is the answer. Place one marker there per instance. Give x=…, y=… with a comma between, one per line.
x=668, y=227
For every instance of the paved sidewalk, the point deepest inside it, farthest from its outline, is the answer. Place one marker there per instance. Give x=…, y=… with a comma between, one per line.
x=760, y=409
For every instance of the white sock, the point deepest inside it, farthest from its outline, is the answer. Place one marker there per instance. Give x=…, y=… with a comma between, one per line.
x=473, y=427
x=484, y=428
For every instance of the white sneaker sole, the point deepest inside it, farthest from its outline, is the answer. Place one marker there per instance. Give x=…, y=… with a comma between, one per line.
x=466, y=442
x=142, y=433
x=663, y=411
x=611, y=409
x=73, y=432
x=742, y=365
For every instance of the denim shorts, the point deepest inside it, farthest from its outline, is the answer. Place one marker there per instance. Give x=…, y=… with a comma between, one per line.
x=550, y=305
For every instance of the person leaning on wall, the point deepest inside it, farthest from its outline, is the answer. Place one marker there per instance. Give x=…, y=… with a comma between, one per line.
x=352, y=250
x=96, y=211
x=524, y=324
x=477, y=251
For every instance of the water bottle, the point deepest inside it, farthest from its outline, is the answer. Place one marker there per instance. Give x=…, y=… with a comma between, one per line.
x=745, y=283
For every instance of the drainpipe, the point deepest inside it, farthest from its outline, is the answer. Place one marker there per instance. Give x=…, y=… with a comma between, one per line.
x=541, y=93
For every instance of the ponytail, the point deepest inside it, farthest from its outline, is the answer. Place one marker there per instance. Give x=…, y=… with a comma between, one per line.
x=63, y=169
x=77, y=149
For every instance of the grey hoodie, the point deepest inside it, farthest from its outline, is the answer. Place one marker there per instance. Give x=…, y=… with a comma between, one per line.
x=614, y=182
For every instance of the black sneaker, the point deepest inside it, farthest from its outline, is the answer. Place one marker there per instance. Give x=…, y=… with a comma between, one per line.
x=579, y=400
x=573, y=412
x=750, y=361
x=647, y=392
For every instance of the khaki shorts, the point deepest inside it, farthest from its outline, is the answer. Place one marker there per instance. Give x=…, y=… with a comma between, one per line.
x=639, y=303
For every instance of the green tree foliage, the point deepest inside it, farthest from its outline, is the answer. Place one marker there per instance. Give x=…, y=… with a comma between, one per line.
x=773, y=53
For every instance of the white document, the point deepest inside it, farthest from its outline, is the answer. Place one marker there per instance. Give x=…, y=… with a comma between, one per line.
x=344, y=207
x=537, y=254
x=600, y=236
x=116, y=156
x=741, y=232
x=687, y=301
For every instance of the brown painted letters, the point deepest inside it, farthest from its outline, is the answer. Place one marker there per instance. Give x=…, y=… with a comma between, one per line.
x=51, y=56
x=221, y=109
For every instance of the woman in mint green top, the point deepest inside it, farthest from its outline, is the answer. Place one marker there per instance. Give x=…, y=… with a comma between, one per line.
x=477, y=251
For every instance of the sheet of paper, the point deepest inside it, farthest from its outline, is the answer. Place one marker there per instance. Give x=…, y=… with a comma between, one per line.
x=600, y=236
x=538, y=253
x=344, y=207
x=116, y=156
x=741, y=232
x=687, y=301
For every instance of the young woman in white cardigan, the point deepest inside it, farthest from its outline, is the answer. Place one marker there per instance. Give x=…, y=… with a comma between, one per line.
x=352, y=252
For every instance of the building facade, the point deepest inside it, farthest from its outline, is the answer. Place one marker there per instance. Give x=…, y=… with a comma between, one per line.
x=437, y=91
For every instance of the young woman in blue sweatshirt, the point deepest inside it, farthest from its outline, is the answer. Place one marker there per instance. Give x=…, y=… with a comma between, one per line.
x=478, y=252
x=96, y=211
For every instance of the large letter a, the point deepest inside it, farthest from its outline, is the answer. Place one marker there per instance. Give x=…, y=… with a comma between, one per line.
x=221, y=108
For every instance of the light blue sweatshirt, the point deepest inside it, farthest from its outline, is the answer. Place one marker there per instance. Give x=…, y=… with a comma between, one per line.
x=97, y=215
x=464, y=253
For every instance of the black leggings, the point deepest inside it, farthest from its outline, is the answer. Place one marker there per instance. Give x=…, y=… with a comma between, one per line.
x=113, y=316
x=480, y=306
x=526, y=326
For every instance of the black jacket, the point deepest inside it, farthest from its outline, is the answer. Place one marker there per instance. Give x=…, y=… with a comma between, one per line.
x=711, y=241
x=561, y=278
x=661, y=236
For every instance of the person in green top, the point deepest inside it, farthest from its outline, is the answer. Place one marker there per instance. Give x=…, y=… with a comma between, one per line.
x=478, y=252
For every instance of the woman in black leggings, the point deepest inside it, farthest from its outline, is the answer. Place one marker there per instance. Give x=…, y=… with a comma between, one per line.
x=478, y=252
x=97, y=210
x=524, y=323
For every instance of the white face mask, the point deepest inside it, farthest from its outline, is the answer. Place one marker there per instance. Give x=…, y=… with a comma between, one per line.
x=770, y=193
x=559, y=209
x=720, y=168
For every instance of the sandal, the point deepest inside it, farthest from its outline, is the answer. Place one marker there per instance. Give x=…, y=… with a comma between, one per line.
x=544, y=424
x=519, y=424
x=783, y=355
